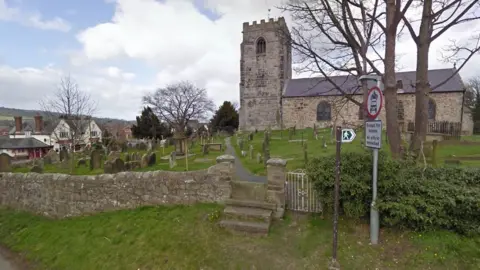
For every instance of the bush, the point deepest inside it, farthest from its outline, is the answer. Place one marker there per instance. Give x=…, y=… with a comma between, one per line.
x=408, y=195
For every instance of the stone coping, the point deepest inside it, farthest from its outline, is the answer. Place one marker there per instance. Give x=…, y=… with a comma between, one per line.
x=277, y=162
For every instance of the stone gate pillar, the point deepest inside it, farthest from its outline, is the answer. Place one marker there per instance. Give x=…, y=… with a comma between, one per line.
x=276, y=172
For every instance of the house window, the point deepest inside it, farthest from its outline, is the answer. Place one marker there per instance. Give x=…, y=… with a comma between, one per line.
x=44, y=140
x=261, y=46
x=63, y=134
x=432, y=110
x=93, y=134
x=324, y=111
x=400, y=110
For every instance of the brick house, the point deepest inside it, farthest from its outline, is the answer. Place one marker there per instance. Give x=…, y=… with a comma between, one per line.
x=269, y=97
x=23, y=148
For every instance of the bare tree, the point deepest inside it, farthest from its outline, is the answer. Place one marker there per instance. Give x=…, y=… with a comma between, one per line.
x=75, y=107
x=439, y=16
x=345, y=37
x=178, y=103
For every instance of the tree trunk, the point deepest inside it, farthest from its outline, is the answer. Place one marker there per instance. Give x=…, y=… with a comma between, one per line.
x=390, y=82
x=422, y=86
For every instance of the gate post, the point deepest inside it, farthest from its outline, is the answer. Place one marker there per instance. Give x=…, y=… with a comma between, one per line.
x=276, y=173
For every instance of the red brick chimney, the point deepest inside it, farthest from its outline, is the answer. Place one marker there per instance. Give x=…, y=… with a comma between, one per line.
x=38, y=123
x=18, y=124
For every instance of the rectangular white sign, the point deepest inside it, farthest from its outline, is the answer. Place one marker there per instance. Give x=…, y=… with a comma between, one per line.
x=373, y=134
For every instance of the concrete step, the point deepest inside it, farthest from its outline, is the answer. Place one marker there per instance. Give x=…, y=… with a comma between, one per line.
x=256, y=228
x=250, y=204
x=247, y=214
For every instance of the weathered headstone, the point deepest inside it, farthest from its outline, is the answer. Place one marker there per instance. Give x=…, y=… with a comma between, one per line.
x=127, y=157
x=251, y=151
x=64, y=155
x=36, y=169
x=244, y=153
x=152, y=159
x=118, y=165
x=144, y=161
x=5, y=163
x=259, y=158
x=81, y=162
x=95, y=160
x=205, y=149
x=108, y=167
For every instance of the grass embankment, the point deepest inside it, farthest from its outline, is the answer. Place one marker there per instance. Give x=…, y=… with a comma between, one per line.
x=188, y=237
x=197, y=162
x=293, y=151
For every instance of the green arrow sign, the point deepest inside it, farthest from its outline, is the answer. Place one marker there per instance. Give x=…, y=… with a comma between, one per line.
x=348, y=135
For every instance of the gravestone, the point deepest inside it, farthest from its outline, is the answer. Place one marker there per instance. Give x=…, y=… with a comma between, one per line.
x=5, y=163
x=36, y=169
x=205, y=148
x=244, y=153
x=251, y=151
x=64, y=155
x=95, y=160
x=81, y=162
x=127, y=157
x=108, y=167
x=259, y=158
x=152, y=159
x=173, y=159
x=118, y=165
x=144, y=161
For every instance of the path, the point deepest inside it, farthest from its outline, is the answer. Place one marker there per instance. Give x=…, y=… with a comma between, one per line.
x=240, y=171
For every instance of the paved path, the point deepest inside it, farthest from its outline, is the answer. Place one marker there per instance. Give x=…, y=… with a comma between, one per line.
x=242, y=173
x=4, y=264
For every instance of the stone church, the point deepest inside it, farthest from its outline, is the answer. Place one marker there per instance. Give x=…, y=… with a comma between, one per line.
x=270, y=97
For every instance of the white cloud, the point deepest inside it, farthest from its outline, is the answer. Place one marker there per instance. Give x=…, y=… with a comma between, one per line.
x=174, y=40
x=32, y=19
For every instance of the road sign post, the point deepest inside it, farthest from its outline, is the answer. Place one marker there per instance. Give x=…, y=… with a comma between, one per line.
x=336, y=196
x=373, y=139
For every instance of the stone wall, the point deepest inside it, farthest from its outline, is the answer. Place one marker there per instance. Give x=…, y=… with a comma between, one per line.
x=302, y=111
x=60, y=195
x=262, y=75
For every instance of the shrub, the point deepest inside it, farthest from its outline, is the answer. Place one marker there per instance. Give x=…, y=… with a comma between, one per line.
x=408, y=195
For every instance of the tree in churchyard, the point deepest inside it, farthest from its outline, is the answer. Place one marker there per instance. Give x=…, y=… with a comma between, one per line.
x=472, y=98
x=75, y=107
x=149, y=126
x=438, y=17
x=344, y=37
x=178, y=103
x=225, y=118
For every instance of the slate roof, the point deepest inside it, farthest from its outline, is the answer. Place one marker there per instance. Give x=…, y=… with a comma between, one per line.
x=307, y=87
x=8, y=143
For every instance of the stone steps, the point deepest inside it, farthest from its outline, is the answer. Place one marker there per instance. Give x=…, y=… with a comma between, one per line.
x=251, y=217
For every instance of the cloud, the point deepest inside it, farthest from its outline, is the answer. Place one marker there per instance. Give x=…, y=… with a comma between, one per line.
x=32, y=19
x=172, y=39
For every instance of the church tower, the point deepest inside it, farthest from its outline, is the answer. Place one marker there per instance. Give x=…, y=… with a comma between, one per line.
x=265, y=64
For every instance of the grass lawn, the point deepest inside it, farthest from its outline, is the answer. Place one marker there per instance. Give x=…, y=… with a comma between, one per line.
x=293, y=151
x=197, y=162
x=188, y=237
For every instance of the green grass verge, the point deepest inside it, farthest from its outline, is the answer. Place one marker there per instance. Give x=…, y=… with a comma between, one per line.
x=197, y=162
x=188, y=237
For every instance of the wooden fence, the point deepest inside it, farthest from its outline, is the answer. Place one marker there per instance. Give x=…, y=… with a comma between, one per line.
x=452, y=129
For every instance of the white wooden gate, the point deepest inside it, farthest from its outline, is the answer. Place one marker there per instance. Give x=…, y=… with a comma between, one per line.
x=300, y=194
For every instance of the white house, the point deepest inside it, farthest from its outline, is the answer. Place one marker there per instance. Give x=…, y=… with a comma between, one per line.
x=58, y=133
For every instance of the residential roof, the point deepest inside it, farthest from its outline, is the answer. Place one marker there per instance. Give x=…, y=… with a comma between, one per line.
x=29, y=125
x=8, y=143
x=307, y=87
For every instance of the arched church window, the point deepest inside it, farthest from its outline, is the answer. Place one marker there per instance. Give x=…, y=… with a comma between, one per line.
x=400, y=111
x=432, y=109
x=261, y=46
x=324, y=111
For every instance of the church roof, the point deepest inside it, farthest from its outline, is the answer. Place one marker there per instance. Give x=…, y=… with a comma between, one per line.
x=308, y=87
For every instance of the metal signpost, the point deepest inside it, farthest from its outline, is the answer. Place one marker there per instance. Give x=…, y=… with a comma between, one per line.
x=373, y=139
x=342, y=136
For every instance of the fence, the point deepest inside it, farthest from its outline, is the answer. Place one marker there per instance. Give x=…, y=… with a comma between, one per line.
x=453, y=129
x=300, y=194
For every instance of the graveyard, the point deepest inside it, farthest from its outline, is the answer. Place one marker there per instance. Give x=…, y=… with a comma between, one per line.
x=298, y=146
x=96, y=162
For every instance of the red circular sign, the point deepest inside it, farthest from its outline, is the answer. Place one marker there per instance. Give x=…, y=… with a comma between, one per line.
x=374, y=103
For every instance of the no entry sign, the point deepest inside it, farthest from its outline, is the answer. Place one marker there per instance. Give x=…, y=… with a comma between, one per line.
x=374, y=102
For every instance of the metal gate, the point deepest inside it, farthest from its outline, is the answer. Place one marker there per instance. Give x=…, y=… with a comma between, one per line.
x=300, y=194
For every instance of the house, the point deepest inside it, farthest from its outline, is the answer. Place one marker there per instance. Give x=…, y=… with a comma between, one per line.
x=23, y=148
x=58, y=133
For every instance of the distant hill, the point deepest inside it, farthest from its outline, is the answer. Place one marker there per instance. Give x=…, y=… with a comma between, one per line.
x=7, y=114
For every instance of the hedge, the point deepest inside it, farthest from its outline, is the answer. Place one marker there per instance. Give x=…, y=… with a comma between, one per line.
x=409, y=196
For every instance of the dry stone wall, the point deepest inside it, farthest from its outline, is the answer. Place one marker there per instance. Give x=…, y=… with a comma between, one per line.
x=61, y=195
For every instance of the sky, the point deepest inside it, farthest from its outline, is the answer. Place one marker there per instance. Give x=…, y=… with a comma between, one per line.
x=119, y=50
